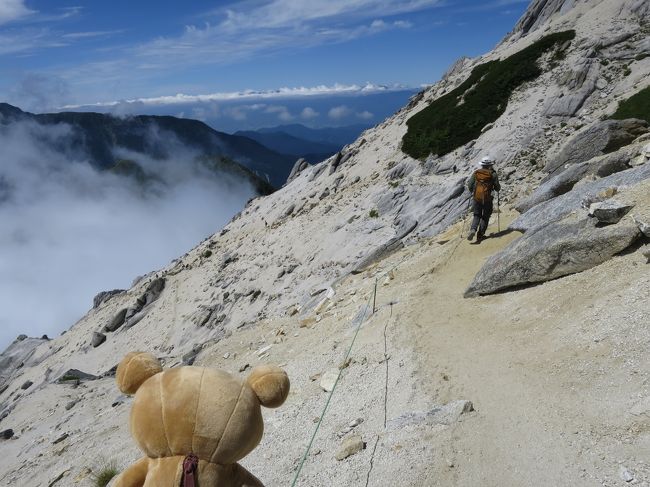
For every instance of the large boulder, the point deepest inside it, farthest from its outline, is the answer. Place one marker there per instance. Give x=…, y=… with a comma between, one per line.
x=97, y=339
x=117, y=320
x=580, y=83
x=440, y=165
x=105, y=296
x=402, y=170
x=556, y=250
x=384, y=249
x=75, y=375
x=152, y=292
x=538, y=13
x=338, y=160
x=300, y=165
x=564, y=182
x=559, y=207
x=600, y=138
x=435, y=207
x=16, y=355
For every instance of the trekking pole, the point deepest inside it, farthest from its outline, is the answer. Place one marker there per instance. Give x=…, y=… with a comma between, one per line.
x=499, y=211
x=462, y=230
x=374, y=298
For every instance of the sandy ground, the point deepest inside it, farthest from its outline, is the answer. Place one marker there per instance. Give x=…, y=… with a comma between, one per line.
x=558, y=373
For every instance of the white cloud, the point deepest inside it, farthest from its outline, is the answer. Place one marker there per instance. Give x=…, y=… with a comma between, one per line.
x=240, y=112
x=39, y=34
x=320, y=90
x=11, y=10
x=237, y=113
x=86, y=35
x=275, y=109
x=29, y=39
x=240, y=31
x=265, y=26
x=379, y=24
x=37, y=37
x=285, y=116
x=339, y=112
x=403, y=24
x=282, y=112
x=86, y=219
x=490, y=5
x=308, y=113
x=282, y=13
x=205, y=111
x=229, y=34
x=365, y=115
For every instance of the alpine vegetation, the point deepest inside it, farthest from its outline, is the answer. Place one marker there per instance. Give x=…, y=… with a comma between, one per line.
x=458, y=116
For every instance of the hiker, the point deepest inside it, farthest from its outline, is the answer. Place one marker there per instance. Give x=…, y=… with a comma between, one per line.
x=481, y=184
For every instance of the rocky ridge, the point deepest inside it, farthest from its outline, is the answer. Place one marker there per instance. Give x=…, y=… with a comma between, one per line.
x=286, y=277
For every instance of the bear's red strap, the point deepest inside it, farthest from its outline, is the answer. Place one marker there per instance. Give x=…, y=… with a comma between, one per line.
x=190, y=466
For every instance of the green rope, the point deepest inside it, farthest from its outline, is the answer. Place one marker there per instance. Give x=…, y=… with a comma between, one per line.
x=372, y=297
x=320, y=420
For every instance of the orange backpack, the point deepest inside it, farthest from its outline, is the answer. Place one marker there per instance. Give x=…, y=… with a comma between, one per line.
x=484, y=185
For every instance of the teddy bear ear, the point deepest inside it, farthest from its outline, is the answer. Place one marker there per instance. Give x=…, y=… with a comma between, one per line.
x=271, y=385
x=134, y=369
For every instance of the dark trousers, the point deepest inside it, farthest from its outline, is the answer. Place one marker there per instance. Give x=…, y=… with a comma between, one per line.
x=482, y=213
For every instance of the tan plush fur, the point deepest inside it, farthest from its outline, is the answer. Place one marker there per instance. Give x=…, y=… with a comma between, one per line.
x=271, y=385
x=195, y=410
x=134, y=369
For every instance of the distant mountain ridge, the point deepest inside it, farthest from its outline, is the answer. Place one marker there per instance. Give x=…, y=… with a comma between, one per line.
x=327, y=135
x=312, y=144
x=99, y=134
x=288, y=144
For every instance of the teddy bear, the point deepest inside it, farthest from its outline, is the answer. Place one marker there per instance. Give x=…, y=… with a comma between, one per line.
x=194, y=423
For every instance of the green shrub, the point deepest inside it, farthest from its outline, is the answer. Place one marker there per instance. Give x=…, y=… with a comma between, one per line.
x=458, y=117
x=627, y=72
x=641, y=56
x=105, y=474
x=373, y=214
x=393, y=184
x=559, y=55
x=637, y=106
x=604, y=62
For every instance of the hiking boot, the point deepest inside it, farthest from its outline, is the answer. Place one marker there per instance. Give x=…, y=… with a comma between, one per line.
x=470, y=237
x=480, y=237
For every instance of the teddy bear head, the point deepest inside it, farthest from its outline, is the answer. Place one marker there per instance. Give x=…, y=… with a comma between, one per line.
x=198, y=410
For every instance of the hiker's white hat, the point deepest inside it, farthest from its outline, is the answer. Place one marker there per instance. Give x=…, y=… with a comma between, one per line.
x=487, y=161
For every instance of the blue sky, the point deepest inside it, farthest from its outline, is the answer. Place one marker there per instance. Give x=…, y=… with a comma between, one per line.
x=55, y=53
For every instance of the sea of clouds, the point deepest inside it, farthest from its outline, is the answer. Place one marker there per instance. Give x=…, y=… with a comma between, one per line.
x=70, y=231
